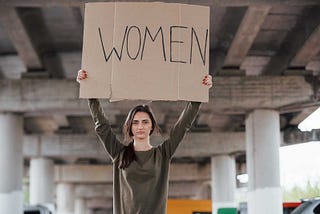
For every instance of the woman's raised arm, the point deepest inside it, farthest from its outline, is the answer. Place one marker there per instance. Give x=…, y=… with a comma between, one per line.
x=102, y=124
x=184, y=123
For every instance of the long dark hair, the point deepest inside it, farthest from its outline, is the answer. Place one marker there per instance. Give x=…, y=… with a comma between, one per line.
x=129, y=154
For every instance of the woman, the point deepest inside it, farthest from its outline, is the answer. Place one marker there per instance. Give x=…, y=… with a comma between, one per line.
x=140, y=171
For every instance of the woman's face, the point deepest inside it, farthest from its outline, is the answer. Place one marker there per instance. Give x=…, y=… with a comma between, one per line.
x=141, y=126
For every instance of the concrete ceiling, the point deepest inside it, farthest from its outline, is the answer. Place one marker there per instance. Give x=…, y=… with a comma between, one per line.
x=263, y=54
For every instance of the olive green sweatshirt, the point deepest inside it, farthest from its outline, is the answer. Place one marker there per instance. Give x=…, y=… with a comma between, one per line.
x=141, y=188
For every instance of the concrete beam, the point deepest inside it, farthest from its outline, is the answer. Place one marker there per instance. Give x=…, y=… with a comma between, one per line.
x=209, y=144
x=247, y=32
x=296, y=136
x=11, y=67
x=293, y=42
x=176, y=190
x=229, y=94
x=100, y=202
x=12, y=23
x=61, y=120
x=194, y=145
x=63, y=146
x=314, y=66
x=93, y=191
x=35, y=21
x=83, y=173
x=259, y=92
x=302, y=115
x=71, y=62
x=88, y=146
x=310, y=49
x=253, y=65
x=103, y=173
x=42, y=124
x=230, y=19
x=222, y=3
x=184, y=189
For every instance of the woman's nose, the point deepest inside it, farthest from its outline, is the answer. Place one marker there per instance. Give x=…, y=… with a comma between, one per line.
x=140, y=126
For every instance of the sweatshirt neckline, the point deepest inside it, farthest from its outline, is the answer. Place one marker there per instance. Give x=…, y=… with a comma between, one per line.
x=145, y=150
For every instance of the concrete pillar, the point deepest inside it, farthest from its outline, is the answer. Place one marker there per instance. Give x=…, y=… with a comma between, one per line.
x=223, y=181
x=80, y=206
x=11, y=163
x=65, y=198
x=262, y=145
x=41, y=181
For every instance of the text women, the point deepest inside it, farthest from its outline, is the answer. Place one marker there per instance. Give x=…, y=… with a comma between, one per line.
x=143, y=37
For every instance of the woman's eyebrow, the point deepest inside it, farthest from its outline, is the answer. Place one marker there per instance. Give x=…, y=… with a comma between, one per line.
x=143, y=120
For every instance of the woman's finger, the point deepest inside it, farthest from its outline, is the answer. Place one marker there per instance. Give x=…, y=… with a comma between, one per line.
x=82, y=74
x=207, y=81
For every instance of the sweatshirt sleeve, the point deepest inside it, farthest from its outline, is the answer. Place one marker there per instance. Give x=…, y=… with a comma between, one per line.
x=103, y=129
x=183, y=124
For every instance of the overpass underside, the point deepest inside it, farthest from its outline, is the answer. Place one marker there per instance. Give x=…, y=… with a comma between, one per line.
x=265, y=62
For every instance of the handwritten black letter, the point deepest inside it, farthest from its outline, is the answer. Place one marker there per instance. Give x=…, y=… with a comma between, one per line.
x=175, y=41
x=139, y=35
x=113, y=49
x=153, y=39
x=202, y=54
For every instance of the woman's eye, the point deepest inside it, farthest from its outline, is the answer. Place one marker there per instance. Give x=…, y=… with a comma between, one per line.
x=135, y=122
x=145, y=122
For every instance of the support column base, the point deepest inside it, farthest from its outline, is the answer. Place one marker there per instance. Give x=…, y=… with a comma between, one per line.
x=265, y=201
x=11, y=202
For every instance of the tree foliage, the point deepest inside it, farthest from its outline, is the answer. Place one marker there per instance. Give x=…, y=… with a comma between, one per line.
x=310, y=190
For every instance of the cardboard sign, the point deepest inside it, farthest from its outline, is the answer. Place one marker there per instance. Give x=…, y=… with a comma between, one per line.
x=149, y=51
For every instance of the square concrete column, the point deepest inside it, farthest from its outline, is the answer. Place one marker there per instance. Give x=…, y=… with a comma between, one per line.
x=223, y=176
x=262, y=145
x=11, y=163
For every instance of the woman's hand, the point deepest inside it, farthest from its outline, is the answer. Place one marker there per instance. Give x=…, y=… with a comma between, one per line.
x=82, y=74
x=207, y=80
